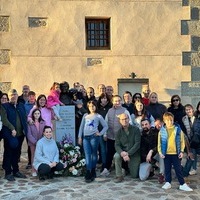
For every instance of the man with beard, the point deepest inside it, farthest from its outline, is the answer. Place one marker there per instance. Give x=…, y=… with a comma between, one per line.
x=149, y=153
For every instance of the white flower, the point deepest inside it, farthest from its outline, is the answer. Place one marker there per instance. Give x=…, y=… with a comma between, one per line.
x=71, y=153
x=75, y=172
x=82, y=162
x=66, y=145
x=77, y=147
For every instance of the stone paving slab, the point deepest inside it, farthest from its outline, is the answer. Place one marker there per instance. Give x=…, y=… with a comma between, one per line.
x=64, y=188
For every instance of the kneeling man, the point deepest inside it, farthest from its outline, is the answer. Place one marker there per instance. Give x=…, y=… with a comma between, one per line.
x=127, y=146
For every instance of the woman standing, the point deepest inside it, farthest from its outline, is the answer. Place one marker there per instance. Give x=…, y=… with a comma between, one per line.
x=178, y=110
x=103, y=105
x=90, y=134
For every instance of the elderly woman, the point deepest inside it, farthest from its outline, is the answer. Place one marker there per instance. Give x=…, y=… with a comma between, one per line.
x=46, y=160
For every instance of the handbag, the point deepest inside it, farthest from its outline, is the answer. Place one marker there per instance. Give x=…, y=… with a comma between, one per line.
x=195, y=141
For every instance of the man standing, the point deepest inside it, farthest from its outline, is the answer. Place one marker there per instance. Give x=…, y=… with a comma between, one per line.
x=13, y=136
x=127, y=145
x=24, y=97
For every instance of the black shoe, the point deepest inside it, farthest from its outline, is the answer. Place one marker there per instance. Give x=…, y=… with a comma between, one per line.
x=19, y=175
x=88, y=177
x=93, y=174
x=10, y=177
x=41, y=178
x=50, y=175
x=28, y=166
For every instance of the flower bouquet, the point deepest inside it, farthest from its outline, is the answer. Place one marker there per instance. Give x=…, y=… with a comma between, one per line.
x=71, y=157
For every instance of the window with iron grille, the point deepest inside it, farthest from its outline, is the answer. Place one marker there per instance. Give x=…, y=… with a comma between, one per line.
x=97, y=33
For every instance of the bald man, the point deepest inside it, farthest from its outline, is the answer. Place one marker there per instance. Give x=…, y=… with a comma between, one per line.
x=127, y=145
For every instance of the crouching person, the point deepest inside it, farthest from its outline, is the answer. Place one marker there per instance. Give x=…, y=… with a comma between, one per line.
x=46, y=160
x=127, y=146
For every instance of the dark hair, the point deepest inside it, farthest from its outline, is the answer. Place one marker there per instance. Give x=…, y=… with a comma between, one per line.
x=145, y=113
x=136, y=94
x=31, y=93
x=2, y=94
x=93, y=103
x=197, y=112
x=127, y=92
x=39, y=97
x=32, y=115
x=103, y=95
x=116, y=96
x=46, y=127
x=178, y=97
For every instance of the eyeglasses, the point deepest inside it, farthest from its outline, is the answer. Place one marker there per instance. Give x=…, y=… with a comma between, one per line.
x=137, y=97
x=174, y=100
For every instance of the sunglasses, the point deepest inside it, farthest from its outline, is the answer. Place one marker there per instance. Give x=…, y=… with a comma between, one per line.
x=174, y=100
x=137, y=97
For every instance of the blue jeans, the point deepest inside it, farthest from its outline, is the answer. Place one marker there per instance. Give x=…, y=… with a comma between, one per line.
x=102, y=144
x=90, y=146
x=189, y=163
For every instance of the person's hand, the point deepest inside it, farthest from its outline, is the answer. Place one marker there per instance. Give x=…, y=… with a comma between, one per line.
x=62, y=104
x=105, y=138
x=31, y=121
x=97, y=134
x=54, y=164
x=126, y=158
x=181, y=155
x=190, y=156
x=14, y=133
x=80, y=141
x=51, y=165
x=123, y=154
x=162, y=156
x=149, y=155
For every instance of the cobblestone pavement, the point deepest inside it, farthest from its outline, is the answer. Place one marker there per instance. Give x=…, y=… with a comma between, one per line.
x=102, y=188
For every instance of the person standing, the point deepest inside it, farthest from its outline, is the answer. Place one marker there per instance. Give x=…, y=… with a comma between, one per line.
x=91, y=136
x=113, y=127
x=13, y=138
x=23, y=98
x=171, y=145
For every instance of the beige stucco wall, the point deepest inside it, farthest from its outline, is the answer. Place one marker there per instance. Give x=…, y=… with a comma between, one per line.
x=145, y=39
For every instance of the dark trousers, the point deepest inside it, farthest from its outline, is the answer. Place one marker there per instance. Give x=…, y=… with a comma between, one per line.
x=12, y=155
x=45, y=169
x=170, y=160
x=29, y=152
x=110, y=153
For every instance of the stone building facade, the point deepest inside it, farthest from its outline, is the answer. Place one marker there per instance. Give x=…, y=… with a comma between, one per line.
x=43, y=41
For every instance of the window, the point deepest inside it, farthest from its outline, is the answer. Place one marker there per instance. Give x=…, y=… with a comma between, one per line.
x=97, y=34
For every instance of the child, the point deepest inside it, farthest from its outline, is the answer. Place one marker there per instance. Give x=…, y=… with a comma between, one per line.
x=171, y=144
x=89, y=131
x=53, y=100
x=188, y=121
x=35, y=133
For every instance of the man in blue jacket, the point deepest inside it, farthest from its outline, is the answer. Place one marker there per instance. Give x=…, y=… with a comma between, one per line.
x=13, y=135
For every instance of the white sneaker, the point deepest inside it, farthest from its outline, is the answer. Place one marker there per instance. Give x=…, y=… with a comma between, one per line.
x=34, y=174
x=185, y=187
x=166, y=186
x=105, y=172
x=193, y=172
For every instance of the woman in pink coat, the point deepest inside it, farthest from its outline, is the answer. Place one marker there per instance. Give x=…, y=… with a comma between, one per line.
x=46, y=113
x=35, y=131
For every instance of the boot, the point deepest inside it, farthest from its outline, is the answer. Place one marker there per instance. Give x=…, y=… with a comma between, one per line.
x=88, y=177
x=93, y=174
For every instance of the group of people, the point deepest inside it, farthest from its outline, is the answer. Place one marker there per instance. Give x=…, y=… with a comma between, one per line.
x=135, y=131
